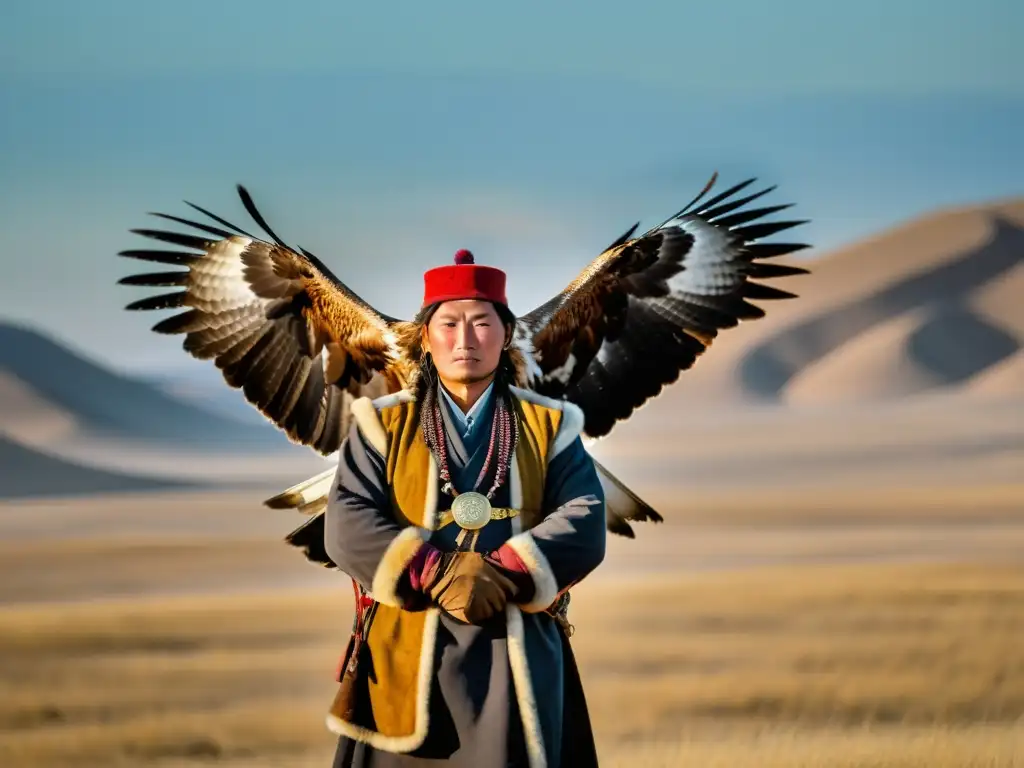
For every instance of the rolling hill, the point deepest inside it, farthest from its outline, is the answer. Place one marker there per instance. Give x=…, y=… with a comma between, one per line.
x=27, y=473
x=935, y=305
x=46, y=382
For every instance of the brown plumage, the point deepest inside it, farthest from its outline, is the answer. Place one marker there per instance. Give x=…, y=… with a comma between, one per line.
x=302, y=346
x=646, y=309
x=298, y=343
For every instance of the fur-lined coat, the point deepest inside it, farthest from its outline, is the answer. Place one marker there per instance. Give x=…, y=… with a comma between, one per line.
x=504, y=694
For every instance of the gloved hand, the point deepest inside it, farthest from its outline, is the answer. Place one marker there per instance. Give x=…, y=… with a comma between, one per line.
x=511, y=566
x=466, y=586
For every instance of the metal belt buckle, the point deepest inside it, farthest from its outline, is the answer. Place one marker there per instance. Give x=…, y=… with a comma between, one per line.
x=471, y=510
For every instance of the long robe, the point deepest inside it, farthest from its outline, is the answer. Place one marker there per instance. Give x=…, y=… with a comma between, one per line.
x=475, y=719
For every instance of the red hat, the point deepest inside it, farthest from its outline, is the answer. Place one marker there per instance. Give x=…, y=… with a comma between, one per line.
x=463, y=280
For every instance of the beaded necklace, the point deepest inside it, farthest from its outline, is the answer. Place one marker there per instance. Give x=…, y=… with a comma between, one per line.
x=503, y=440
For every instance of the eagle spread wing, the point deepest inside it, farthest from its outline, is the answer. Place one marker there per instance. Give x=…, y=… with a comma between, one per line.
x=646, y=308
x=302, y=346
x=299, y=344
x=644, y=311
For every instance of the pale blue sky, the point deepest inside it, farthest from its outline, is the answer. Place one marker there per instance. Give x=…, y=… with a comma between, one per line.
x=787, y=46
x=532, y=133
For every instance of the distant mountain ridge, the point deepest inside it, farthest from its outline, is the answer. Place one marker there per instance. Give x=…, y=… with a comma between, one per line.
x=27, y=473
x=109, y=404
x=933, y=305
x=940, y=332
x=206, y=389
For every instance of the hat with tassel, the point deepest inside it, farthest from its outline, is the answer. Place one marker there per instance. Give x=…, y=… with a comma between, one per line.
x=463, y=280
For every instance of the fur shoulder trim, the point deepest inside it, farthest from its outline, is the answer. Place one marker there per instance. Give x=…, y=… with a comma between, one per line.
x=370, y=425
x=573, y=419
x=395, y=398
x=570, y=427
x=366, y=412
x=536, y=398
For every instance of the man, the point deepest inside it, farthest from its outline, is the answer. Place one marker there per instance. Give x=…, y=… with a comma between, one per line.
x=464, y=509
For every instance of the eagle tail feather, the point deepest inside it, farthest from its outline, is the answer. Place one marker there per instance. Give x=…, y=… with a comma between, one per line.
x=306, y=497
x=309, y=537
x=622, y=505
x=310, y=498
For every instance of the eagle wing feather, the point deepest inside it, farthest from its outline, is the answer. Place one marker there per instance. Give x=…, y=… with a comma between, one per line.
x=302, y=346
x=646, y=309
x=280, y=327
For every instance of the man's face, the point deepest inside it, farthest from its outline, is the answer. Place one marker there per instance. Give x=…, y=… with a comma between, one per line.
x=465, y=338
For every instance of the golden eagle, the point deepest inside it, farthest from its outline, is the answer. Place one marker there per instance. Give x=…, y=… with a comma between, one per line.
x=302, y=346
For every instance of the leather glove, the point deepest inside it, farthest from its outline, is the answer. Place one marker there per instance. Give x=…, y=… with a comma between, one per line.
x=512, y=568
x=467, y=587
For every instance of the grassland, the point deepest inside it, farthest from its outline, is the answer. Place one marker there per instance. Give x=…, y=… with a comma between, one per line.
x=864, y=665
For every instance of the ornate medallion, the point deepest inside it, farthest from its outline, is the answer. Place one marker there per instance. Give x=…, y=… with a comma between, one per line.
x=471, y=510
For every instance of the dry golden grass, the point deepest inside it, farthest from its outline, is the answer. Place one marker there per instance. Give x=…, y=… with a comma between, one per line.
x=72, y=569
x=127, y=683
x=864, y=665
x=857, y=665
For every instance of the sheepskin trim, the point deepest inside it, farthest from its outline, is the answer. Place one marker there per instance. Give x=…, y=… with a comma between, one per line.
x=425, y=672
x=522, y=541
x=516, y=645
x=431, y=514
x=569, y=428
x=537, y=566
x=396, y=559
x=370, y=425
x=395, y=398
x=515, y=495
x=520, y=665
x=572, y=419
